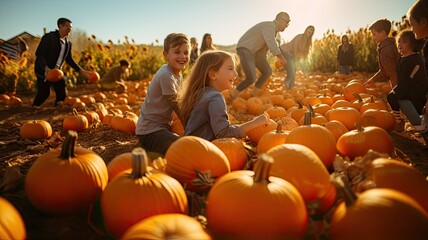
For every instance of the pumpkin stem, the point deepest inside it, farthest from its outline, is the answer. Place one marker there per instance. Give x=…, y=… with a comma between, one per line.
x=359, y=99
x=299, y=103
x=359, y=127
x=342, y=184
x=203, y=180
x=139, y=163
x=311, y=110
x=279, y=127
x=67, y=150
x=261, y=174
x=307, y=120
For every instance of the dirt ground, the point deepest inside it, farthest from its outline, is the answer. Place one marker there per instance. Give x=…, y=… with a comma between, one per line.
x=17, y=156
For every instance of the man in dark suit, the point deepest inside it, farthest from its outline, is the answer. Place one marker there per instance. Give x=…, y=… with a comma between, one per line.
x=54, y=49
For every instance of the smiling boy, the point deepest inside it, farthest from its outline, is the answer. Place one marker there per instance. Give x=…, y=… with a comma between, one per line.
x=154, y=124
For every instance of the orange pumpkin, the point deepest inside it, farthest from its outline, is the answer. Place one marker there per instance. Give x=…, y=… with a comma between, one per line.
x=93, y=76
x=321, y=108
x=288, y=103
x=100, y=110
x=256, y=133
x=92, y=116
x=272, y=139
x=11, y=223
x=255, y=106
x=71, y=100
x=4, y=98
x=88, y=100
x=255, y=205
x=349, y=116
x=126, y=123
x=288, y=123
x=54, y=75
x=99, y=96
x=234, y=151
x=395, y=174
x=239, y=104
x=132, y=197
x=317, y=138
x=336, y=128
x=359, y=141
x=195, y=163
x=14, y=101
x=79, y=105
x=66, y=180
x=276, y=112
x=76, y=122
x=341, y=103
x=379, y=118
x=301, y=166
x=298, y=112
x=379, y=213
x=353, y=87
x=373, y=104
x=167, y=226
x=35, y=130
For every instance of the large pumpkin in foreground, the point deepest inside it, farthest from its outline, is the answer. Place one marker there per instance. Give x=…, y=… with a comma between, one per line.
x=66, y=180
x=133, y=196
x=379, y=213
x=195, y=162
x=397, y=175
x=300, y=166
x=255, y=205
x=11, y=223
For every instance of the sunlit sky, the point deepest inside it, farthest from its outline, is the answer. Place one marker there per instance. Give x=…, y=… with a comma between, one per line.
x=146, y=21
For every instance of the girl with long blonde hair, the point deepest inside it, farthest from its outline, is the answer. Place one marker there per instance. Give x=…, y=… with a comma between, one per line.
x=202, y=105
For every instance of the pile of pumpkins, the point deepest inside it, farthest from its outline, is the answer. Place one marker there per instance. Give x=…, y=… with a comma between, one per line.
x=87, y=111
x=291, y=179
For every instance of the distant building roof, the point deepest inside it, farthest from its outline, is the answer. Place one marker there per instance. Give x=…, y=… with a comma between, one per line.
x=24, y=35
x=14, y=46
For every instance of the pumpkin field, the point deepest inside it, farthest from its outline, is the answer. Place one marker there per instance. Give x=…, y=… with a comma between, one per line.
x=328, y=165
x=196, y=192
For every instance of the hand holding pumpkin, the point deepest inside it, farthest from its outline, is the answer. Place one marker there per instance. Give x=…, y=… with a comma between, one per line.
x=261, y=120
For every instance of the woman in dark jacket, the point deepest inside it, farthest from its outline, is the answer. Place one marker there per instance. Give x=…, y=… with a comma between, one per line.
x=345, y=56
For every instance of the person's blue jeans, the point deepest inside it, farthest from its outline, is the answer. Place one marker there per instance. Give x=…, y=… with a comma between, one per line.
x=409, y=110
x=249, y=63
x=406, y=106
x=344, y=69
x=290, y=68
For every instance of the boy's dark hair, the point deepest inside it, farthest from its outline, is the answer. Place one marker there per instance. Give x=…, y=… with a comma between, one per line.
x=409, y=36
x=124, y=62
x=61, y=21
x=381, y=25
x=174, y=40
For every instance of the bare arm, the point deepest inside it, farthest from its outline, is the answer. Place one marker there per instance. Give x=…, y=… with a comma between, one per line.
x=260, y=120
